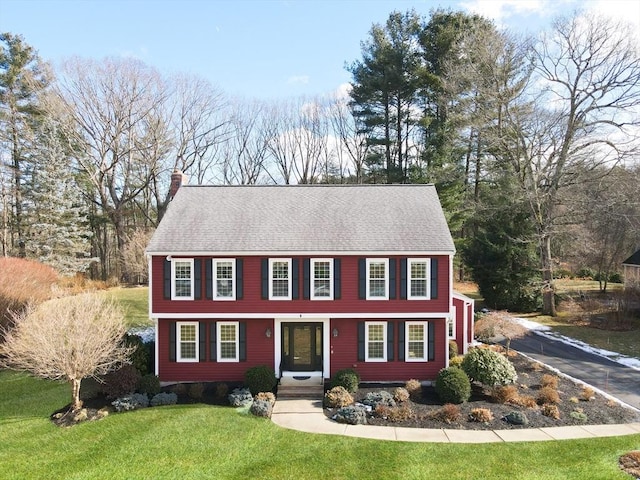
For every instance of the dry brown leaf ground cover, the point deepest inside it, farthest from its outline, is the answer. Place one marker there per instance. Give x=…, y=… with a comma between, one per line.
x=576, y=406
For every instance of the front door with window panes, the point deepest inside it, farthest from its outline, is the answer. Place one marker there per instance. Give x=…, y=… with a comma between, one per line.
x=302, y=347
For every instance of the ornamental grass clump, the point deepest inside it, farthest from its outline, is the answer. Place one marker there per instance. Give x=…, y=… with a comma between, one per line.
x=401, y=395
x=448, y=413
x=267, y=397
x=551, y=411
x=548, y=395
x=488, y=367
x=550, y=381
x=453, y=385
x=481, y=415
x=337, y=397
x=414, y=387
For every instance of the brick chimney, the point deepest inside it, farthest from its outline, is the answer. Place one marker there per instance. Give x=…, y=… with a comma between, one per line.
x=177, y=180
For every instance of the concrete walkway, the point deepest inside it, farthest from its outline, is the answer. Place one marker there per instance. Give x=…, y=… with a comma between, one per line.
x=308, y=416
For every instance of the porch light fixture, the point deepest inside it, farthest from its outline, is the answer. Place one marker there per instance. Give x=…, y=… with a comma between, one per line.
x=267, y=332
x=335, y=332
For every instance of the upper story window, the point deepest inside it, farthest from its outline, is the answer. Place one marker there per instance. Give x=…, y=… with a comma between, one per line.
x=280, y=279
x=416, y=344
x=228, y=342
x=182, y=279
x=376, y=339
x=224, y=274
x=321, y=279
x=377, y=278
x=418, y=278
x=187, y=338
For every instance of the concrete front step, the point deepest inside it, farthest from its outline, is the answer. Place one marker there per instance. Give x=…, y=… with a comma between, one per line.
x=301, y=391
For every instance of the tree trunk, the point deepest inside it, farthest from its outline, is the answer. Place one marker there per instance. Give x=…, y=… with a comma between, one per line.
x=76, y=403
x=548, y=287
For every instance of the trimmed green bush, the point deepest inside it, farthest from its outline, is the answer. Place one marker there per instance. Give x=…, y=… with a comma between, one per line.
x=453, y=385
x=149, y=384
x=453, y=349
x=488, y=367
x=164, y=398
x=121, y=382
x=260, y=379
x=347, y=378
x=139, y=356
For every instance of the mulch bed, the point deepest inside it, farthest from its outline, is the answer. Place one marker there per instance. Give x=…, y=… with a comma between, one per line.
x=598, y=410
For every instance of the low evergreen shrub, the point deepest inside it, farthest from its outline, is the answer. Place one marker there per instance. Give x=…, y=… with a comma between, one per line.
x=516, y=418
x=373, y=399
x=347, y=378
x=196, y=391
x=164, y=398
x=240, y=397
x=260, y=378
x=149, y=384
x=131, y=402
x=453, y=385
x=352, y=415
x=261, y=408
x=488, y=367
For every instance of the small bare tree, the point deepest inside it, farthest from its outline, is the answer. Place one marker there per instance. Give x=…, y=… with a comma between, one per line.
x=69, y=338
x=499, y=324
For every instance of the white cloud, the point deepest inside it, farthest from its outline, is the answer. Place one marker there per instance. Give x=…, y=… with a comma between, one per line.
x=622, y=10
x=298, y=80
x=500, y=10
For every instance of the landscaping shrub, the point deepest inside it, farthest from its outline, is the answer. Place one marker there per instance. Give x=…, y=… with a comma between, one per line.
x=488, y=367
x=164, y=398
x=337, y=397
x=261, y=408
x=401, y=395
x=196, y=391
x=587, y=394
x=149, y=384
x=240, y=397
x=456, y=361
x=414, y=387
x=266, y=397
x=579, y=415
x=453, y=385
x=548, y=395
x=449, y=413
x=516, y=418
x=393, y=414
x=179, y=389
x=481, y=415
x=526, y=401
x=549, y=381
x=453, y=349
x=373, y=399
x=222, y=389
x=551, y=411
x=139, y=357
x=347, y=378
x=352, y=415
x=121, y=382
x=131, y=402
x=260, y=379
x=504, y=394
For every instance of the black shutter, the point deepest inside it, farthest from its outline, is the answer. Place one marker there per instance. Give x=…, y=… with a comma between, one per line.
x=401, y=341
x=337, y=280
x=295, y=279
x=403, y=278
x=242, y=334
x=431, y=339
x=202, y=340
x=264, y=273
x=306, y=278
x=213, y=347
x=167, y=278
x=172, y=341
x=392, y=278
x=197, y=278
x=434, y=278
x=389, y=341
x=208, y=279
x=239, y=279
x=361, y=341
x=362, y=278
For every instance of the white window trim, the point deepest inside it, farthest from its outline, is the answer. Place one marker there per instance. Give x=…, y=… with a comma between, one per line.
x=452, y=320
x=271, y=262
x=386, y=278
x=366, y=342
x=425, y=331
x=214, y=273
x=173, y=278
x=410, y=262
x=179, y=342
x=219, y=342
x=313, y=278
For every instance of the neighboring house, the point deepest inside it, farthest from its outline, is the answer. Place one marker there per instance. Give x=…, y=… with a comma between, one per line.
x=632, y=269
x=308, y=280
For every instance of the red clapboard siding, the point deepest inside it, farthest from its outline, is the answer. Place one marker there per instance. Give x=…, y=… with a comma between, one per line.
x=260, y=351
x=253, y=303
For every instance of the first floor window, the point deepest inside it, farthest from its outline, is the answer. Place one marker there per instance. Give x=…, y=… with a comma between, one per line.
x=228, y=342
x=223, y=279
x=187, y=341
x=377, y=278
x=321, y=279
x=416, y=341
x=375, y=335
x=418, y=278
x=280, y=279
x=451, y=324
x=182, y=275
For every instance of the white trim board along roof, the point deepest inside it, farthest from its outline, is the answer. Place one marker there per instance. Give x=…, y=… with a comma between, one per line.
x=310, y=218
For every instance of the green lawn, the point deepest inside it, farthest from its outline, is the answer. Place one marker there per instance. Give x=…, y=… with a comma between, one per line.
x=202, y=441
x=135, y=301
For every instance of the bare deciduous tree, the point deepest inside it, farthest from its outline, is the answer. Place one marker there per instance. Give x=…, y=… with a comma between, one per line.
x=499, y=324
x=69, y=339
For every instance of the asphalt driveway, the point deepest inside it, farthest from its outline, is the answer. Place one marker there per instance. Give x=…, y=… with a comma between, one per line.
x=611, y=377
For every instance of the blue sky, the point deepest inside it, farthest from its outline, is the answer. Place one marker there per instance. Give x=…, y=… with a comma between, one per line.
x=251, y=48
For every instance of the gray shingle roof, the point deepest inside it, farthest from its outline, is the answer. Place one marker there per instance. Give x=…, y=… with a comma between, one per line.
x=303, y=218
x=633, y=259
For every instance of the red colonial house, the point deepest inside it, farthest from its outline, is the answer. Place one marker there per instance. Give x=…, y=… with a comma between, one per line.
x=306, y=279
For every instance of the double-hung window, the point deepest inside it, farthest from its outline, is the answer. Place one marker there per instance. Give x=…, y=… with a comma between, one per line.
x=182, y=279
x=376, y=340
x=224, y=274
x=416, y=343
x=187, y=339
x=280, y=279
x=418, y=278
x=451, y=324
x=377, y=278
x=321, y=279
x=228, y=340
